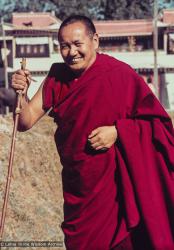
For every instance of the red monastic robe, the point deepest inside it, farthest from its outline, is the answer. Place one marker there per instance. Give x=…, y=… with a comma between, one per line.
x=107, y=194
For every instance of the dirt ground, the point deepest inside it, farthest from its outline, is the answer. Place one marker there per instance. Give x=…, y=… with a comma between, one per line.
x=35, y=207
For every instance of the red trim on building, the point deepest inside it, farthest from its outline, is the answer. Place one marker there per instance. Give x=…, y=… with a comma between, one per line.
x=37, y=19
x=124, y=27
x=168, y=16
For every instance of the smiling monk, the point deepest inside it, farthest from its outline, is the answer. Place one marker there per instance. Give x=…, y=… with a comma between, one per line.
x=116, y=145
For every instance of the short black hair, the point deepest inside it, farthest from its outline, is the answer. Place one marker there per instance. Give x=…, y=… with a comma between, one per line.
x=78, y=18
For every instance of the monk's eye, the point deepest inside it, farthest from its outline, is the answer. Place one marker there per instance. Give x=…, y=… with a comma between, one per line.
x=78, y=44
x=64, y=46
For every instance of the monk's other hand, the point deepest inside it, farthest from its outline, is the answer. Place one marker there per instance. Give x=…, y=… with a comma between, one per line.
x=21, y=80
x=103, y=137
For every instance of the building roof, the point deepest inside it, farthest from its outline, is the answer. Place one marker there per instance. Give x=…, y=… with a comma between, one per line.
x=110, y=28
x=34, y=19
x=124, y=27
x=168, y=16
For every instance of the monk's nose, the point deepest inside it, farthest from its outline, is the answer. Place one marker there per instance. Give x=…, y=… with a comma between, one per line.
x=72, y=51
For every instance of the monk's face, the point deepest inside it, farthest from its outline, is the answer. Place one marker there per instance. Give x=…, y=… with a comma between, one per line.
x=78, y=47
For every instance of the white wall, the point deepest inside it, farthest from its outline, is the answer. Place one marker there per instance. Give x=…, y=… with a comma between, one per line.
x=170, y=88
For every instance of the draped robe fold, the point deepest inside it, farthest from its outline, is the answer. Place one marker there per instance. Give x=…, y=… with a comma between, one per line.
x=107, y=194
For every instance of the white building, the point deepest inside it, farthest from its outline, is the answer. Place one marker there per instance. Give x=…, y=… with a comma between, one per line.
x=34, y=36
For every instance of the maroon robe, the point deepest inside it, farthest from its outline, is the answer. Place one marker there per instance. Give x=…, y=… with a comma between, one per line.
x=108, y=194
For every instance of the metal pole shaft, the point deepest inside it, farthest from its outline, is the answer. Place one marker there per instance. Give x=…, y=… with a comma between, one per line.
x=155, y=47
x=7, y=188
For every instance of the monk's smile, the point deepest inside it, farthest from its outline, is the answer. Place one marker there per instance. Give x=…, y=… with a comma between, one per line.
x=76, y=60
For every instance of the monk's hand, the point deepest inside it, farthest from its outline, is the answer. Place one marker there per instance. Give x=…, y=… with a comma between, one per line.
x=103, y=137
x=21, y=80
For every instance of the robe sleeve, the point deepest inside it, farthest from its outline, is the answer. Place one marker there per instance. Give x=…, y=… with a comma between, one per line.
x=47, y=93
x=51, y=94
x=54, y=89
x=145, y=159
x=142, y=107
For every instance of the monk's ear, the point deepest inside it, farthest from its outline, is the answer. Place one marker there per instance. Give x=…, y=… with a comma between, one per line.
x=96, y=41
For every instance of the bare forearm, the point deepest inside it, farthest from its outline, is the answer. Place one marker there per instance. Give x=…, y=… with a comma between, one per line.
x=24, y=122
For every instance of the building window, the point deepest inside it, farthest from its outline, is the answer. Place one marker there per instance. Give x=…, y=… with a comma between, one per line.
x=22, y=49
x=35, y=49
x=170, y=44
x=32, y=50
x=41, y=49
x=28, y=49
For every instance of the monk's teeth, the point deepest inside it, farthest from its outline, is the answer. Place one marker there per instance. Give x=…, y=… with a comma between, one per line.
x=77, y=59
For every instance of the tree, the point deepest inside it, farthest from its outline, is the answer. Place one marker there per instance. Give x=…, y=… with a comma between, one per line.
x=165, y=4
x=128, y=9
x=91, y=8
x=139, y=9
x=116, y=9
